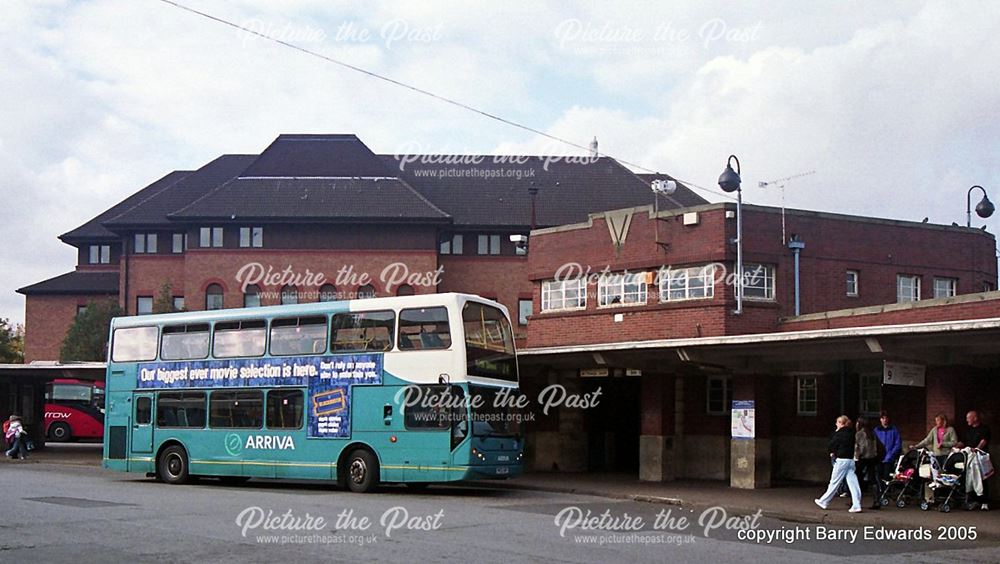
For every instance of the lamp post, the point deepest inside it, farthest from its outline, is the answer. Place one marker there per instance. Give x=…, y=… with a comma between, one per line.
x=984, y=208
x=729, y=181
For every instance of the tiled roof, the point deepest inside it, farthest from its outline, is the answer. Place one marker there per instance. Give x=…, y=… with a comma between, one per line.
x=76, y=282
x=486, y=190
x=351, y=199
x=153, y=211
x=317, y=156
x=94, y=229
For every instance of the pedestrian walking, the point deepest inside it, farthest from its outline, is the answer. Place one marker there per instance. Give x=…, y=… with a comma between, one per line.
x=17, y=437
x=842, y=455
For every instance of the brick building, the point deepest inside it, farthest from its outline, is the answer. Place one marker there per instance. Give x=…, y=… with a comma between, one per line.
x=325, y=204
x=654, y=327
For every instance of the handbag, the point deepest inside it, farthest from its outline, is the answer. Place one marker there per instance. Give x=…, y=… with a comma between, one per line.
x=985, y=464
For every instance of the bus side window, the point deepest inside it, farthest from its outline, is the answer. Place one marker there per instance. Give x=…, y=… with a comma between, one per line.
x=184, y=342
x=240, y=409
x=298, y=335
x=284, y=409
x=363, y=331
x=180, y=409
x=424, y=328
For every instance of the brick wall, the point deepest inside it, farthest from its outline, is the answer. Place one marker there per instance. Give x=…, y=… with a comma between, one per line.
x=47, y=319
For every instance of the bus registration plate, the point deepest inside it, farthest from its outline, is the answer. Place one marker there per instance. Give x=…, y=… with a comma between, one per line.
x=503, y=470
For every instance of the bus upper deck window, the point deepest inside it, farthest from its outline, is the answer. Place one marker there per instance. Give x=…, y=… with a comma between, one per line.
x=298, y=335
x=239, y=339
x=184, y=342
x=362, y=331
x=134, y=343
x=424, y=328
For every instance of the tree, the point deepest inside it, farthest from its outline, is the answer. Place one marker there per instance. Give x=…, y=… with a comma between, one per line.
x=164, y=302
x=11, y=342
x=87, y=338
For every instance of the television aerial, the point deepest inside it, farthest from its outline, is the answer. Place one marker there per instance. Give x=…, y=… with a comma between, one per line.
x=780, y=185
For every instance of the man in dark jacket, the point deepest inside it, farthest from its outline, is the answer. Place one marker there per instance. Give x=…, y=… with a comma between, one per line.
x=842, y=454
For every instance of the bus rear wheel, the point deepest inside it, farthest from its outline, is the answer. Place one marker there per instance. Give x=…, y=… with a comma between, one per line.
x=60, y=432
x=172, y=466
x=362, y=471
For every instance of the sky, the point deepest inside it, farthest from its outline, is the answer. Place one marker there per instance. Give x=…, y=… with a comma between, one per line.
x=890, y=103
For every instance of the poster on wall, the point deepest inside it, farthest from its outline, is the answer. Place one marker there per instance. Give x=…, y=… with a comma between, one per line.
x=328, y=378
x=743, y=419
x=903, y=374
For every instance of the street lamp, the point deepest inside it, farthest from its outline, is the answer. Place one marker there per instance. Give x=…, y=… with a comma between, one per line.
x=984, y=208
x=729, y=181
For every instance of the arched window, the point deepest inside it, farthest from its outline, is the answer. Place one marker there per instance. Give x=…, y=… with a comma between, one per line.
x=213, y=297
x=327, y=293
x=405, y=290
x=289, y=295
x=366, y=291
x=251, y=297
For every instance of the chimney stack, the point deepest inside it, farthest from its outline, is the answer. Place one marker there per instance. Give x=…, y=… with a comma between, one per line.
x=593, y=147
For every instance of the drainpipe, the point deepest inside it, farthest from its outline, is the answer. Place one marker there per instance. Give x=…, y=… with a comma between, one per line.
x=796, y=244
x=125, y=255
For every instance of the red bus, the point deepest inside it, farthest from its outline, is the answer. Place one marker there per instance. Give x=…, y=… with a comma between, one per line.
x=74, y=409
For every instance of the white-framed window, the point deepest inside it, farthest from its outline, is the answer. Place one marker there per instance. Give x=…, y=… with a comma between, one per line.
x=251, y=237
x=145, y=243
x=210, y=237
x=870, y=394
x=853, y=283
x=564, y=294
x=178, y=243
x=718, y=395
x=524, y=306
x=144, y=305
x=806, y=394
x=99, y=254
x=622, y=289
x=178, y=303
x=907, y=288
x=945, y=287
x=758, y=281
x=696, y=282
x=452, y=245
x=488, y=245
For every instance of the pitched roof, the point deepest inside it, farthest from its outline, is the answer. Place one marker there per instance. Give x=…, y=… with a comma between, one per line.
x=76, y=282
x=153, y=210
x=305, y=199
x=336, y=155
x=93, y=230
x=684, y=197
x=490, y=190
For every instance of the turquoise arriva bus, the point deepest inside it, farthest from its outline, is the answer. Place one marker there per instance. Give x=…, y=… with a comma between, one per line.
x=410, y=389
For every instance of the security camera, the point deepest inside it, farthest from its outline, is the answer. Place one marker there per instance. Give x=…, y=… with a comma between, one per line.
x=665, y=187
x=519, y=239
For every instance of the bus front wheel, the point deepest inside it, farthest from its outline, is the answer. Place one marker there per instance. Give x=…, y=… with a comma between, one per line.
x=362, y=471
x=60, y=432
x=172, y=467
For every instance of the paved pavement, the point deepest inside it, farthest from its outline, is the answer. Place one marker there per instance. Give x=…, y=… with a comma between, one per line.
x=61, y=506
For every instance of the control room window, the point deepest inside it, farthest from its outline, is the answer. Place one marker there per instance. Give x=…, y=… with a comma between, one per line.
x=213, y=297
x=907, y=288
x=621, y=289
x=692, y=283
x=251, y=237
x=719, y=395
x=99, y=254
x=564, y=294
x=945, y=287
x=758, y=281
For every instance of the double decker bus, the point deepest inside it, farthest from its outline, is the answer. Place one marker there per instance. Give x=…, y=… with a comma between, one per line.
x=74, y=409
x=407, y=389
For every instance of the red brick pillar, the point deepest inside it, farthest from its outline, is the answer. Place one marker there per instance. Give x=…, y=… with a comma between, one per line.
x=750, y=458
x=657, y=451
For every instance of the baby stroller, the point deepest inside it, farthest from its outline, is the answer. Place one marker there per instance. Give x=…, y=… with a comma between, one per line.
x=905, y=482
x=947, y=481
